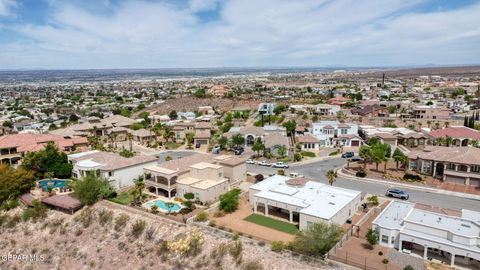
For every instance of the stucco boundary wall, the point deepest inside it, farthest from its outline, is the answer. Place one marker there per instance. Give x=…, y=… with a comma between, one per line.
x=348, y=174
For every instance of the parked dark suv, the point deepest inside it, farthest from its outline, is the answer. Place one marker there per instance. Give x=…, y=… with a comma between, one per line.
x=348, y=155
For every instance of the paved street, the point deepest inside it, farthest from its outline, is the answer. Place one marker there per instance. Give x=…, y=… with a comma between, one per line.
x=316, y=171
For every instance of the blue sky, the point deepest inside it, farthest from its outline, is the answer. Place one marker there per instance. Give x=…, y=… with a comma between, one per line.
x=235, y=33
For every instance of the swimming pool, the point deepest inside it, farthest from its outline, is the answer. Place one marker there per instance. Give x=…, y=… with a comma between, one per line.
x=45, y=184
x=164, y=206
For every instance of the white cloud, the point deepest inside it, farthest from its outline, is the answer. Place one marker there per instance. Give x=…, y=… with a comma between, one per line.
x=249, y=33
x=5, y=7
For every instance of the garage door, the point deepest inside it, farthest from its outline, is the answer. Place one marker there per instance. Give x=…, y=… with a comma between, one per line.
x=355, y=143
x=454, y=179
x=474, y=182
x=202, y=141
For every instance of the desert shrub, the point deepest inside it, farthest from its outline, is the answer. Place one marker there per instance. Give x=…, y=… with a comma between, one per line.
x=261, y=243
x=137, y=228
x=277, y=246
x=408, y=267
x=252, y=265
x=385, y=261
x=219, y=214
x=212, y=223
x=281, y=172
x=236, y=251
x=105, y=217
x=259, y=178
x=150, y=233
x=202, y=216
x=361, y=174
x=121, y=221
x=154, y=209
x=188, y=245
x=85, y=217
x=3, y=219
x=412, y=177
x=235, y=237
x=13, y=221
x=316, y=240
x=380, y=253
x=78, y=232
x=373, y=200
x=189, y=196
x=162, y=247
x=334, y=153
x=37, y=212
x=9, y=205
x=297, y=157
x=91, y=189
x=229, y=200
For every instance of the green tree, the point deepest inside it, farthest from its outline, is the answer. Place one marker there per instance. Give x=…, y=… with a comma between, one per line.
x=378, y=154
x=173, y=115
x=91, y=189
x=317, y=240
x=291, y=126
x=365, y=154
x=229, y=201
x=372, y=237
x=258, y=146
x=331, y=176
x=223, y=141
x=14, y=182
x=282, y=151
x=50, y=159
x=137, y=191
x=238, y=140
x=399, y=157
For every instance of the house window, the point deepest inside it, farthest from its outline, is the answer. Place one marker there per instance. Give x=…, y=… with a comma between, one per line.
x=110, y=174
x=197, y=195
x=219, y=174
x=385, y=239
x=309, y=225
x=343, y=131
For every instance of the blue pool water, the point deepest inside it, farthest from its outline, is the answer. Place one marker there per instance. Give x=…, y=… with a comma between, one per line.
x=54, y=183
x=175, y=207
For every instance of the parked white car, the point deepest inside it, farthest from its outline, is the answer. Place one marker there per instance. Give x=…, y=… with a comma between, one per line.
x=250, y=161
x=280, y=164
x=264, y=163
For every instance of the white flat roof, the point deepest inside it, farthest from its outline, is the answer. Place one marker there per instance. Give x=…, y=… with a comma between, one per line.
x=81, y=154
x=393, y=215
x=316, y=199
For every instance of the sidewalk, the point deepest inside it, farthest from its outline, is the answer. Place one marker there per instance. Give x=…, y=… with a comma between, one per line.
x=341, y=172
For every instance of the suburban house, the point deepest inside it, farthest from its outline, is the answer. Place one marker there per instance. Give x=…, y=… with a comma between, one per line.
x=431, y=112
x=119, y=171
x=206, y=181
x=371, y=111
x=338, y=100
x=266, y=108
x=163, y=178
x=393, y=136
x=308, y=142
x=95, y=126
x=334, y=133
x=455, y=239
x=13, y=147
x=302, y=201
x=459, y=165
x=251, y=133
x=274, y=141
x=181, y=129
x=460, y=135
x=326, y=109
x=143, y=135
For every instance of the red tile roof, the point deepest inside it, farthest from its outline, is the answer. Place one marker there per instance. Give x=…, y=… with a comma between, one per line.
x=35, y=142
x=456, y=132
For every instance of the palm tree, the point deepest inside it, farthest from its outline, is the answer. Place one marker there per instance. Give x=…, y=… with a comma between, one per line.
x=331, y=176
x=447, y=124
x=437, y=125
x=282, y=151
x=429, y=123
x=399, y=156
x=364, y=153
x=130, y=138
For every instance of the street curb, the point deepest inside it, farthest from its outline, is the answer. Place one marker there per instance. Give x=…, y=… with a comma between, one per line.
x=427, y=189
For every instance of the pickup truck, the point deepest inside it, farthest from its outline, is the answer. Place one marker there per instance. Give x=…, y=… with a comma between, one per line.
x=280, y=164
x=264, y=163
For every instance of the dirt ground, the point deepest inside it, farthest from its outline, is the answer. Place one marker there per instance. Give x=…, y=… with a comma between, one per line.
x=235, y=222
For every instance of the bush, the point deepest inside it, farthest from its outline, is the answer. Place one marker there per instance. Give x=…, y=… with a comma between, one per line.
x=361, y=174
x=85, y=217
x=408, y=267
x=189, y=196
x=13, y=221
x=9, y=205
x=236, y=250
x=229, y=200
x=281, y=172
x=373, y=200
x=121, y=221
x=259, y=178
x=334, y=153
x=91, y=189
x=154, y=209
x=372, y=237
x=38, y=211
x=137, y=228
x=412, y=177
x=308, y=154
x=212, y=223
x=385, y=261
x=105, y=217
x=316, y=240
x=278, y=246
x=297, y=157
x=202, y=216
x=380, y=253
x=261, y=243
x=252, y=265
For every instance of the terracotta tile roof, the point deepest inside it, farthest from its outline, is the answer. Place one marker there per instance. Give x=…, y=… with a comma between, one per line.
x=203, y=125
x=34, y=142
x=456, y=132
x=328, y=127
x=343, y=125
x=274, y=139
x=234, y=161
x=142, y=133
x=183, y=164
x=202, y=134
x=385, y=135
x=462, y=155
x=308, y=139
